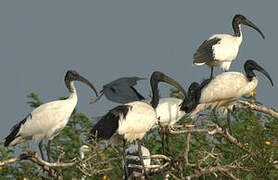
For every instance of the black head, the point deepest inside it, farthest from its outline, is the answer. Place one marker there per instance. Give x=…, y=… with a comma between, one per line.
x=251, y=65
x=192, y=89
x=160, y=77
x=192, y=100
x=73, y=75
x=240, y=19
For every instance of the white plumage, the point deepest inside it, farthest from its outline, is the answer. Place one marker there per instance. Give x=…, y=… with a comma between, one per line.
x=226, y=50
x=47, y=120
x=222, y=49
x=132, y=120
x=168, y=111
x=226, y=88
x=140, y=118
x=82, y=150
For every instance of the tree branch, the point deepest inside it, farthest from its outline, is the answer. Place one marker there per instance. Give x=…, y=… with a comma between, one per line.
x=260, y=109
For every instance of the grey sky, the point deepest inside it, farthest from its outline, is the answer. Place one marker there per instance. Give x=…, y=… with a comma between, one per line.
x=105, y=40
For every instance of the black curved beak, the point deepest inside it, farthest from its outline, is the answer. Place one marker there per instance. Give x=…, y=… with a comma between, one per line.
x=260, y=69
x=85, y=81
x=171, y=81
x=249, y=23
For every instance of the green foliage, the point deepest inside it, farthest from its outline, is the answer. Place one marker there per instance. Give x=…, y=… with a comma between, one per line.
x=256, y=131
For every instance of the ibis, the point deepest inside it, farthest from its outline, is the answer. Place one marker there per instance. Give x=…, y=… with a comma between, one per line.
x=82, y=150
x=222, y=49
x=47, y=120
x=224, y=90
x=132, y=120
x=122, y=90
x=168, y=113
x=133, y=159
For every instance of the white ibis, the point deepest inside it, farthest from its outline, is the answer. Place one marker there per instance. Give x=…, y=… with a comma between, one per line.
x=168, y=113
x=225, y=89
x=122, y=90
x=47, y=120
x=82, y=150
x=134, y=119
x=133, y=159
x=222, y=49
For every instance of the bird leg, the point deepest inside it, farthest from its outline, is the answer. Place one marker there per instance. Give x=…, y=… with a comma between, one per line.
x=48, y=150
x=211, y=72
x=163, y=140
x=229, y=121
x=40, y=148
x=215, y=116
x=167, y=144
x=141, y=158
x=124, y=157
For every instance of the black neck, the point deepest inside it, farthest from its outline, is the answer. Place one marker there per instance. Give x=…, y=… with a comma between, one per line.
x=68, y=84
x=236, y=28
x=155, y=92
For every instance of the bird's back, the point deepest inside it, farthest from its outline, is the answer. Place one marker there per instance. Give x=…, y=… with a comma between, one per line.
x=43, y=122
x=139, y=119
x=168, y=111
x=228, y=85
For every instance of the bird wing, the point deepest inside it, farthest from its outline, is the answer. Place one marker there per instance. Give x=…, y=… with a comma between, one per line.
x=109, y=123
x=122, y=90
x=205, y=52
x=14, y=131
x=226, y=86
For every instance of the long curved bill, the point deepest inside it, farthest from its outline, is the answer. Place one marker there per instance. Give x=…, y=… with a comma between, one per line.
x=84, y=80
x=260, y=69
x=249, y=23
x=171, y=81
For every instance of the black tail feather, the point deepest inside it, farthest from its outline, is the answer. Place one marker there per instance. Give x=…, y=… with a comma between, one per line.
x=109, y=123
x=14, y=131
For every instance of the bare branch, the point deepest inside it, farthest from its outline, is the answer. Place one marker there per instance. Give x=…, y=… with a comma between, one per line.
x=34, y=157
x=261, y=109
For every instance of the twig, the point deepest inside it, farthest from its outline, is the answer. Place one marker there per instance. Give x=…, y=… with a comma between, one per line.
x=261, y=109
x=33, y=156
x=228, y=136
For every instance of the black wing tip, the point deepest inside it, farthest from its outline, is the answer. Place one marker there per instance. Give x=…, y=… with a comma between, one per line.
x=8, y=140
x=107, y=126
x=10, y=137
x=14, y=131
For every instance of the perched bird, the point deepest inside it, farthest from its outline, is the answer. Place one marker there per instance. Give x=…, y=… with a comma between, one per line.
x=121, y=90
x=132, y=158
x=193, y=96
x=168, y=113
x=82, y=150
x=134, y=119
x=222, y=49
x=47, y=120
x=224, y=90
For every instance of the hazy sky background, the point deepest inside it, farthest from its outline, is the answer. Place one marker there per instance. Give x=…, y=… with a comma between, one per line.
x=105, y=40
